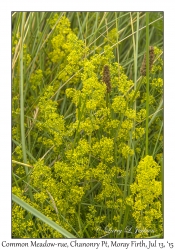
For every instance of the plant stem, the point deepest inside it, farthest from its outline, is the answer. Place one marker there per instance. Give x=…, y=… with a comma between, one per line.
x=22, y=103
x=22, y=96
x=147, y=78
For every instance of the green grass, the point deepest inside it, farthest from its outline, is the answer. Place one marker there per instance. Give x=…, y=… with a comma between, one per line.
x=77, y=166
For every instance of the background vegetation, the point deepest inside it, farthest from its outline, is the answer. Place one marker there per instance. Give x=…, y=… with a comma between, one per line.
x=87, y=124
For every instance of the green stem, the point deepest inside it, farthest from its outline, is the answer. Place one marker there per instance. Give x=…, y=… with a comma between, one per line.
x=22, y=96
x=80, y=114
x=23, y=141
x=147, y=78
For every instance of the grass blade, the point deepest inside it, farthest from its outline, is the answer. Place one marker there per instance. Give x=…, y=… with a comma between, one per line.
x=42, y=217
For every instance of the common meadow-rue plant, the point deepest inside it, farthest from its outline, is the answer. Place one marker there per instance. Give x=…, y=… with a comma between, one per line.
x=79, y=111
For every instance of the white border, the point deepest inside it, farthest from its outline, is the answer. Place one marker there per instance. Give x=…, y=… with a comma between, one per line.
x=5, y=93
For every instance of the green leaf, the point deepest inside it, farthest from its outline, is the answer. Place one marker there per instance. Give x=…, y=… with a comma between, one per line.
x=42, y=217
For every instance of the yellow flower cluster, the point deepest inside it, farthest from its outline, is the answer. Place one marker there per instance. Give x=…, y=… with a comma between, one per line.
x=141, y=115
x=158, y=66
x=157, y=84
x=67, y=50
x=36, y=79
x=119, y=79
x=138, y=133
x=112, y=36
x=125, y=150
x=104, y=149
x=144, y=199
x=50, y=120
x=119, y=104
